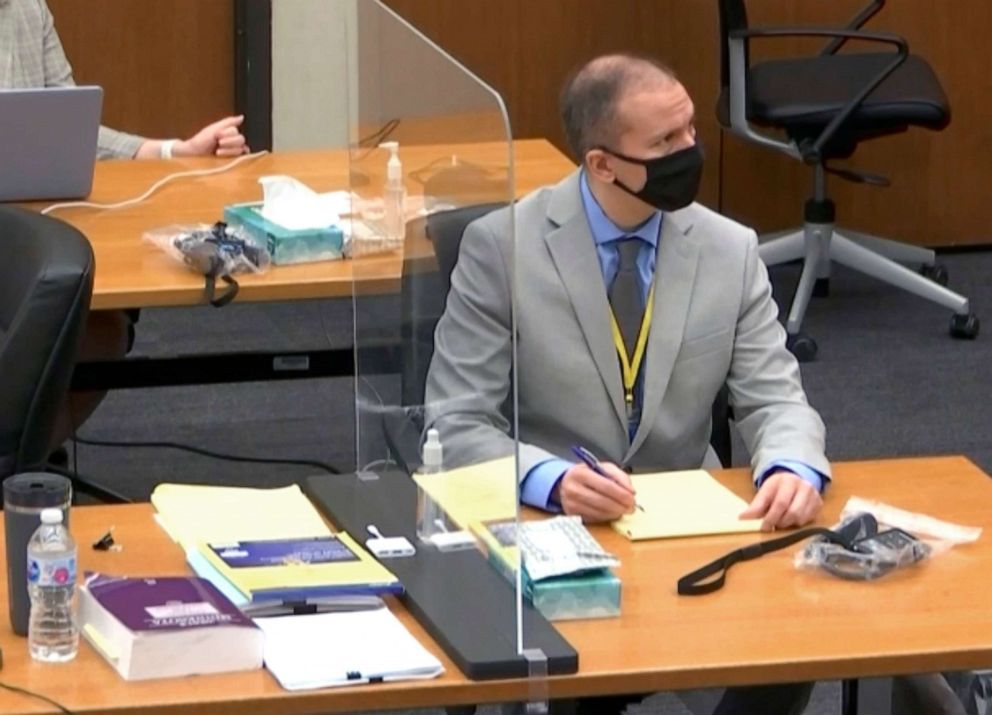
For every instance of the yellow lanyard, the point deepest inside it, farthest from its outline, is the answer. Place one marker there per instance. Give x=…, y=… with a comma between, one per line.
x=630, y=367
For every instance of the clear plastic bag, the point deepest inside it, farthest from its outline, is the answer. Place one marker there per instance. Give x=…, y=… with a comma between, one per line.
x=212, y=250
x=876, y=539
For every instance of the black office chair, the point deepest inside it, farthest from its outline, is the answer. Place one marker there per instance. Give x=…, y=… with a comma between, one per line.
x=424, y=300
x=826, y=105
x=46, y=280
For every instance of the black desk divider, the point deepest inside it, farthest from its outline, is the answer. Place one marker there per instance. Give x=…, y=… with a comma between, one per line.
x=465, y=605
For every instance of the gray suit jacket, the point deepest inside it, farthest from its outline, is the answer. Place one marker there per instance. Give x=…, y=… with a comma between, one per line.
x=714, y=322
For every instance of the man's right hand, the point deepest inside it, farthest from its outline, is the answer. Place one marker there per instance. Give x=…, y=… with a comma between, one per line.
x=594, y=497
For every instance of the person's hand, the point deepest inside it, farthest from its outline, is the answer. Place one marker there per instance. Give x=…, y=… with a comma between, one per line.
x=222, y=138
x=784, y=500
x=594, y=497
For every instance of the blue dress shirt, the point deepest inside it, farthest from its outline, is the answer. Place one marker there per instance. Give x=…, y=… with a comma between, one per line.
x=542, y=479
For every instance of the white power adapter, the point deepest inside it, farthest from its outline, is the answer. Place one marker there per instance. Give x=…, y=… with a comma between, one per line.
x=390, y=547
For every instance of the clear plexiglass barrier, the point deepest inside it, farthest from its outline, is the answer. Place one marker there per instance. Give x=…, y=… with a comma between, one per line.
x=430, y=155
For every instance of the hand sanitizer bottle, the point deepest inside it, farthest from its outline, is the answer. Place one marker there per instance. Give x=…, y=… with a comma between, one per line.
x=430, y=517
x=393, y=196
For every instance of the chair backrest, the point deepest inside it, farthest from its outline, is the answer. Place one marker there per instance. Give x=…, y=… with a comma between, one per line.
x=733, y=16
x=46, y=282
x=424, y=295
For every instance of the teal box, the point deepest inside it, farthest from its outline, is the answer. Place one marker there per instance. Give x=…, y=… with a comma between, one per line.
x=286, y=246
x=592, y=594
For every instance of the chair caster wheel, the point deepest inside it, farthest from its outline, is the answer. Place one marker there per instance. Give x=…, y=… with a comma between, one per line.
x=802, y=346
x=964, y=326
x=937, y=273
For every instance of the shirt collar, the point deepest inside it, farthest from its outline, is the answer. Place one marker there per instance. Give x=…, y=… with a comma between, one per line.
x=602, y=227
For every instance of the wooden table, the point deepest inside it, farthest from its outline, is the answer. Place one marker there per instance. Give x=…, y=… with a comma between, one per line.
x=131, y=273
x=770, y=623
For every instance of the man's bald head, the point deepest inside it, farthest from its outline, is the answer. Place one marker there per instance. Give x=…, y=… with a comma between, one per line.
x=589, y=99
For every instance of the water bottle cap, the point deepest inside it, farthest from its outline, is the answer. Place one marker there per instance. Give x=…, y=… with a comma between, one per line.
x=51, y=516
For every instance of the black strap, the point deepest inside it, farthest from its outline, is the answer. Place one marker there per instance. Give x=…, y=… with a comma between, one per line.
x=227, y=296
x=696, y=583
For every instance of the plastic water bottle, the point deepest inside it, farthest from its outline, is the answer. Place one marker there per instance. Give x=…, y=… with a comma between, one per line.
x=52, y=633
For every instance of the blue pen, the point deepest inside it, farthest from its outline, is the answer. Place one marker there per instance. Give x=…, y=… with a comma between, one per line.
x=592, y=462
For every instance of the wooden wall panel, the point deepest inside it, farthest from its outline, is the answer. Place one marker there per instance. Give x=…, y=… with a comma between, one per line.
x=941, y=181
x=166, y=66
x=526, y=48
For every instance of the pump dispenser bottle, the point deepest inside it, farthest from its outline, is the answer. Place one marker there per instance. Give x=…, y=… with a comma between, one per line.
x=430, y=518
x=393, y=196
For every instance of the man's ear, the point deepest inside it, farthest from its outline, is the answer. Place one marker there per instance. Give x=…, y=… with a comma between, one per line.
x=599, y=164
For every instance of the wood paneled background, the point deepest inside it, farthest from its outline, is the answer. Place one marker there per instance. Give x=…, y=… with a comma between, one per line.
x=167, y=67
x=941, y=181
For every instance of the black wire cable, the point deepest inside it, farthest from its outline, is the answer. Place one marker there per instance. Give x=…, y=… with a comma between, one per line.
x=380, y=134
x=39, y=696
x=208, y=453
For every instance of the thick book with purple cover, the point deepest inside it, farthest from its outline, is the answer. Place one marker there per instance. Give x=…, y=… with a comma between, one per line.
x=166, y=627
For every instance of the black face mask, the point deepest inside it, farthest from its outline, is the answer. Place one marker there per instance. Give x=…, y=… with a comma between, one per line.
x=672, y=180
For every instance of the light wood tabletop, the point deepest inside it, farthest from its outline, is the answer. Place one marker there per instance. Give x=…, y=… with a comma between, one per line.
x=132, y=273
x=770, y=623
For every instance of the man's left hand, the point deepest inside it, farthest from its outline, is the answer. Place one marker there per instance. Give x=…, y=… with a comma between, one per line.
x=784, y=500
x=222, y=138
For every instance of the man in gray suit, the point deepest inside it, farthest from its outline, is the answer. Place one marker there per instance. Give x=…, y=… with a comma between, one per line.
x=704, y=318
x=634, y=306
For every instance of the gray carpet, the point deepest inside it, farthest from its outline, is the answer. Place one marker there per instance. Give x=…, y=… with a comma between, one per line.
x=888, y=381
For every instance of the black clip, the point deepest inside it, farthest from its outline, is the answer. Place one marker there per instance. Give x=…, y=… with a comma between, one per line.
x=106, y=542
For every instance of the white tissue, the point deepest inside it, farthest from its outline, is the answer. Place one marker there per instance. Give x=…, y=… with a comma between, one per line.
x=294, y=205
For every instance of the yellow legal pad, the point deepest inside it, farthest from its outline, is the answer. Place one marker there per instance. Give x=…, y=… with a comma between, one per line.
x=687, y=503
x=482, y=492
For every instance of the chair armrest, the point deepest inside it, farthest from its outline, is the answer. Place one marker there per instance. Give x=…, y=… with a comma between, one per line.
x=809, y=152
x=857, y=22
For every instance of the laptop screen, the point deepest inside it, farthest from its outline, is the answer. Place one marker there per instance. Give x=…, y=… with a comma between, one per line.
x=48, y=142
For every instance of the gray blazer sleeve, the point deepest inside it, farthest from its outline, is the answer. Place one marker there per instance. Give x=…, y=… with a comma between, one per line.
x=469, y=381
x=770, y=406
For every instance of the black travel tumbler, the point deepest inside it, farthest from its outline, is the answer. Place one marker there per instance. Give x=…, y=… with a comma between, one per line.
x=24, y=496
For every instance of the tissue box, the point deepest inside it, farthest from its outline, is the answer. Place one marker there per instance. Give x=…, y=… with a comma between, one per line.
x=590, y=594
x=593, y=594
x=284, y=245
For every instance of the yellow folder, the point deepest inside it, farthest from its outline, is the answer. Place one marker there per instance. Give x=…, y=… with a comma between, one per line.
x=686, y=503
x=193, y=513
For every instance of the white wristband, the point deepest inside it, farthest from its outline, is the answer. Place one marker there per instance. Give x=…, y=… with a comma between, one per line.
x=165, y=148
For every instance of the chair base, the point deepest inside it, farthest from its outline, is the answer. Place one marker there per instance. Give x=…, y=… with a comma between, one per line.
x=820, y=244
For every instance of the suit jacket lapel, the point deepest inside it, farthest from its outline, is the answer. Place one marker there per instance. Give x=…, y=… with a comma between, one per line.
x=574, y=254
x=675, y=273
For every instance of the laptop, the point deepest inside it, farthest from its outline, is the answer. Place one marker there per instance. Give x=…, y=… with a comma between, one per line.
x=48, y=142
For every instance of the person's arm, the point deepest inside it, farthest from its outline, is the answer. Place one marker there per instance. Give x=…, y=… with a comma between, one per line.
x=221, y=138
x=771, y=410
